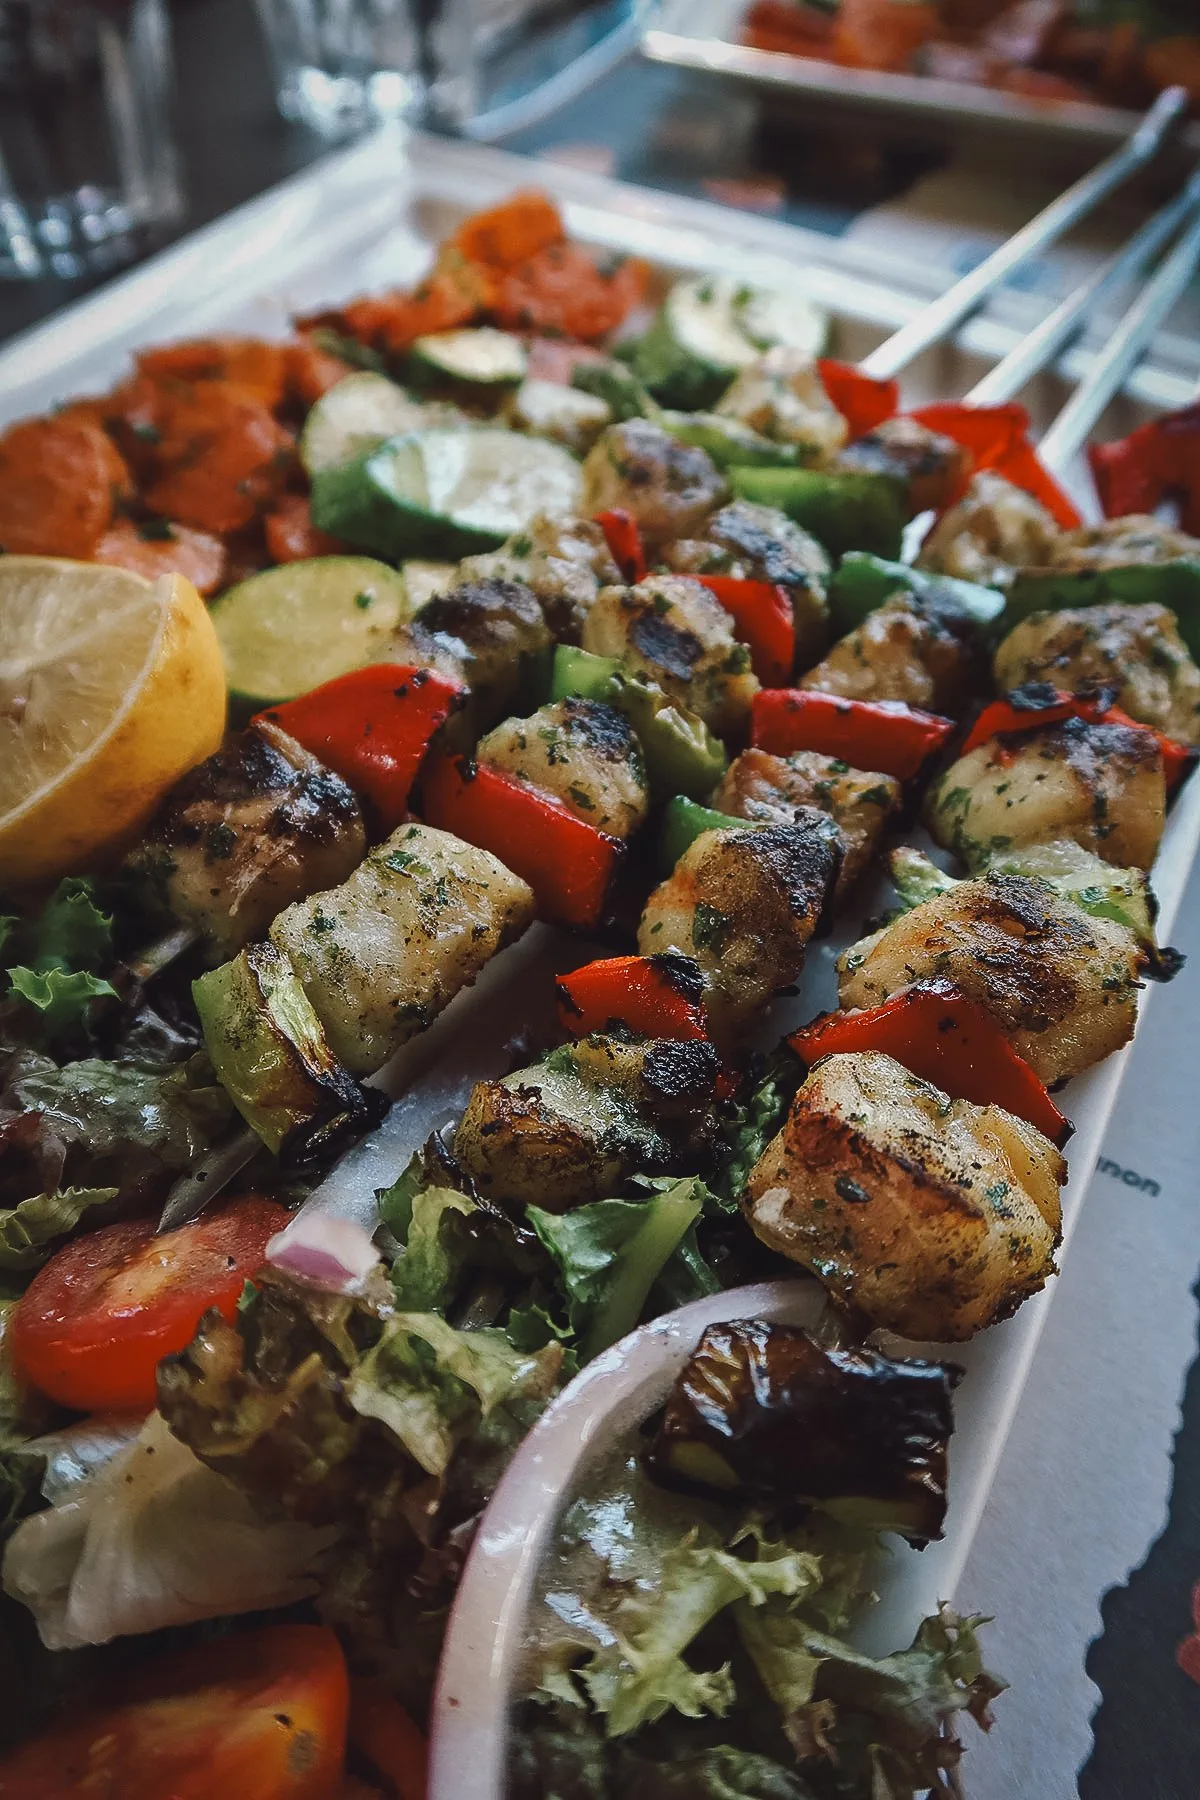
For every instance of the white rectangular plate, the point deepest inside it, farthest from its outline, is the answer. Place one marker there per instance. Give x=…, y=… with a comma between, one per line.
x=366, y=219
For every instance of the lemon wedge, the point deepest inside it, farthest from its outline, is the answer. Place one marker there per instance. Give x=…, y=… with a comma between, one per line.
x=111, y=687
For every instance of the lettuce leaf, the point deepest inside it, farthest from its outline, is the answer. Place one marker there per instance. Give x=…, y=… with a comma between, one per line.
x=55, y=956
x=71, y=931
x=62, y=996
x=610, y=1253
x=92, y=1133
x=886, y=1717
x=28, y=1231
x=643, y=1673
x=436, y=1388
x=151, y=1538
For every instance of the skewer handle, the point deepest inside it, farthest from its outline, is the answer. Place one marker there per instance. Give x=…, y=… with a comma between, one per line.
x=933, y=323
x=1124, y=350
x=1040, y=346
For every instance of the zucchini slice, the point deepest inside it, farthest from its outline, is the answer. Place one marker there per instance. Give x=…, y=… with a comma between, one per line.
x=708, y=329
x=446, y=493
x=356, y=416
x=482, y=357
x=295, y=626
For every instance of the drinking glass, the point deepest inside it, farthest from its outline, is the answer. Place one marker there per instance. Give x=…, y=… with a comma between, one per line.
x=341, y=65
x=88, y=169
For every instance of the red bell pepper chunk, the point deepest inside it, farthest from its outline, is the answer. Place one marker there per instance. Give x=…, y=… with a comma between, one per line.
x=862, y=401
x=998, y=439
x=763, y=620
x=624, y=541
x=869, y=734
x=1158, y=461
x=1011, y=715
x=944, y=1038
x=656, y=995
x=373, y=727
x=568, y=863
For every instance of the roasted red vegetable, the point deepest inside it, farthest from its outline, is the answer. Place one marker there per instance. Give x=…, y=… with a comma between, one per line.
x=568, y=863
x=763, y=620
x=373, y=727
x=1159, y=461
x=624, y=541
x=659, y=996
x=946, y=1039
x=862, y=401
x=256, y=1715
x=1037, y=705
x=998, y=439
x=869, y=734
x=766, y=1412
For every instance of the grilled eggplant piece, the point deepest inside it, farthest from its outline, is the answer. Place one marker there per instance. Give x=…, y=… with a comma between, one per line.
x=1137, y=538
x=782, y=396
x=258, y=825
x=928, y=1216
x=772, y=790
x=577, y=1125
x=743, y=904
x=760, y=543
x=672, y=631
x=585, y=753
x=1100, y=785
x=995, y=529
x=926, y=655
x=765, y=1412
x=1061, y=984
x=492, y=635
x=562, y=560
x=1135, y=652
x=930, y=465
x=380, y=956
x=270, y=1054
x=668, y=487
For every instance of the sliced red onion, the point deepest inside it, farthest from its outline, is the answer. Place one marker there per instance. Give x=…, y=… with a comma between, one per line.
x=326, y=1252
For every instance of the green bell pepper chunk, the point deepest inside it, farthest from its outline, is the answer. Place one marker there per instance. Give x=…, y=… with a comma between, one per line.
x=862, y=582
x=269, y=1052
x=683, y=821
x=842, y=511
x=730, y=444
x=682, y=755
x=1175, y=585
x=617, y=386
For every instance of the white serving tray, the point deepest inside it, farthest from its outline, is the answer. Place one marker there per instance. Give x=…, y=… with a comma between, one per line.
x=366, y=219
x=706, y=35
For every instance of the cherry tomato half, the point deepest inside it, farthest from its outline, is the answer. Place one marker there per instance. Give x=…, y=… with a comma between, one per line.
x=94, y=1324
x=257, y=1715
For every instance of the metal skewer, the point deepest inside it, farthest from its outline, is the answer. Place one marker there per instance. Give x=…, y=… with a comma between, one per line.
x=1124, y=350
x=1040, y=346
x=932, y=324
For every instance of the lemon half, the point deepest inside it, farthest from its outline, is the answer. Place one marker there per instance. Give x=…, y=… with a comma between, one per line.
x=111, y=687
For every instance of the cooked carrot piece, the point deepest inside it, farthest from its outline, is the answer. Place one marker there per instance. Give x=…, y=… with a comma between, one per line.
x=59, y=480
x=292, y=536
x=221, y=457
x=563, y=290
x=250, y=362
x=165, y=549
x=510, y=233
x=312, y=371
x=455, y=294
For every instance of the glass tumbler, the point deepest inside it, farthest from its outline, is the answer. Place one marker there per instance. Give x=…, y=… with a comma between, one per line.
x=88, y=169
x=341, y=65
